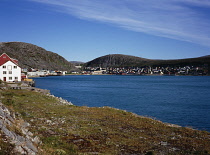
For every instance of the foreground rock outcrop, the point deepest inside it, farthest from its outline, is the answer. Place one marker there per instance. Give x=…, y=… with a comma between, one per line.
x=15, y=131
x=15, y=135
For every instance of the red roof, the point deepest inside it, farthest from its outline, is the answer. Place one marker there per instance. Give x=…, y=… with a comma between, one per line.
x=4, y=58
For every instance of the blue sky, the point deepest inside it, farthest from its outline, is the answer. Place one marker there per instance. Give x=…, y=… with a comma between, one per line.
x=83, y=30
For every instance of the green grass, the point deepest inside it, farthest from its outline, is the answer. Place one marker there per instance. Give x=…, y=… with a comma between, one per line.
x=66, y=129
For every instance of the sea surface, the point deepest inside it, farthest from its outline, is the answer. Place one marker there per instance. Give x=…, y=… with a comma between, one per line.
x=181, y=100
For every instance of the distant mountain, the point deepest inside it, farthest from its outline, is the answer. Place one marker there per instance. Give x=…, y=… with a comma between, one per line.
x=207, y=56
x=32, y=56
x=76, y=63
x=119, y=60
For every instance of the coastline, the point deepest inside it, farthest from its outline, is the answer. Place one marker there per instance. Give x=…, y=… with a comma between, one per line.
x=65, y=102
x=73, y=84
x=47, y=93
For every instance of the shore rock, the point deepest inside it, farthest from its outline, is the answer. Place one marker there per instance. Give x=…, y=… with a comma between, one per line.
x=16, y=132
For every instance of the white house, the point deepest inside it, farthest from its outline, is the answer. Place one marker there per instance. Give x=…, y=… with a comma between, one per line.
x=9, y=69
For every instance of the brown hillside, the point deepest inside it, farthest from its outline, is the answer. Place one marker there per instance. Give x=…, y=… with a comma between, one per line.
x=119, y=60
x=32, y=56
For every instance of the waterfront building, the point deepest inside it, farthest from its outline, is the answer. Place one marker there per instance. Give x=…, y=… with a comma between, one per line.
x=9, y=69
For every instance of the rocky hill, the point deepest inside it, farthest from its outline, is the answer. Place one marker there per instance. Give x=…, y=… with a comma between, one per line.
x=32, y=56
x=119, y=60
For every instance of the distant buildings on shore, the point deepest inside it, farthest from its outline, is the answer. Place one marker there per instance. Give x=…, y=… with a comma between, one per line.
x=186, y=70
x=43, y=73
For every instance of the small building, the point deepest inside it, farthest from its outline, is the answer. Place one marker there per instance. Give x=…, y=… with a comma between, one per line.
x=78, y=67
x=23, y=76
x=37, y=73
x=9, y=69
x=99, y=72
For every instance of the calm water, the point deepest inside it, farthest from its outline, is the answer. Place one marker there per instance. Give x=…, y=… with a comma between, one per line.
x=182, y=100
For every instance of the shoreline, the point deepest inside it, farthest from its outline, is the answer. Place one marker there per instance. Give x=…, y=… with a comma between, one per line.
x=47, y=93
x=66, y=102
x=110, y=75
x=147, y=116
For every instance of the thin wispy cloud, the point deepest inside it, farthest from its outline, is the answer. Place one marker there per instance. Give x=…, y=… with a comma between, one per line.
x=185, y=20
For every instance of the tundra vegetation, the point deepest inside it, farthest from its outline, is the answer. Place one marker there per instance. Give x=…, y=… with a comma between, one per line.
x=69, y=129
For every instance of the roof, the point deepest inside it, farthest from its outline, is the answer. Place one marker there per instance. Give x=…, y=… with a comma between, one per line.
x=5, y=58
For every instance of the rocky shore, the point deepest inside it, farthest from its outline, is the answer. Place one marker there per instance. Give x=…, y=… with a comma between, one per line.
x=60, y=100
x=14, y=131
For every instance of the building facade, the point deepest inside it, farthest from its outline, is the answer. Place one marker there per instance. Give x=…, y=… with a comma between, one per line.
x=9, y=69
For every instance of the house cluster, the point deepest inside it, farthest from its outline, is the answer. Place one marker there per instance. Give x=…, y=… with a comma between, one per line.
x=186, y=70
x=10, y=71
x=43, y=73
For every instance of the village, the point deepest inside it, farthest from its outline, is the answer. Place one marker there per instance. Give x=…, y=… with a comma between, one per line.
x=186, y=70
x=10, y=71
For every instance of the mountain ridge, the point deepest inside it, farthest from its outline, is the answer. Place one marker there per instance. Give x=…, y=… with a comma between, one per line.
x=32, y=56
x=120, y=60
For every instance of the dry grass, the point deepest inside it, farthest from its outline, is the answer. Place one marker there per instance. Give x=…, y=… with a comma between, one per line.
x=5, y=147
x=82, y=130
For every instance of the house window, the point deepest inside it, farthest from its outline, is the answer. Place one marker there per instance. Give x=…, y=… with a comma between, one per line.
x=9, y=67
x=16, y=78
x=10, y=72
x=10, y=78
x=4, y=72
x=15, y=67
x=4, y=66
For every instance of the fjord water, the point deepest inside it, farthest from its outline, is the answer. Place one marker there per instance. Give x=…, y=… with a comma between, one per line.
x=181, y=100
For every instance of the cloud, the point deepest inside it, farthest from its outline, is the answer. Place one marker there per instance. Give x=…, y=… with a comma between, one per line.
x=185, y=20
